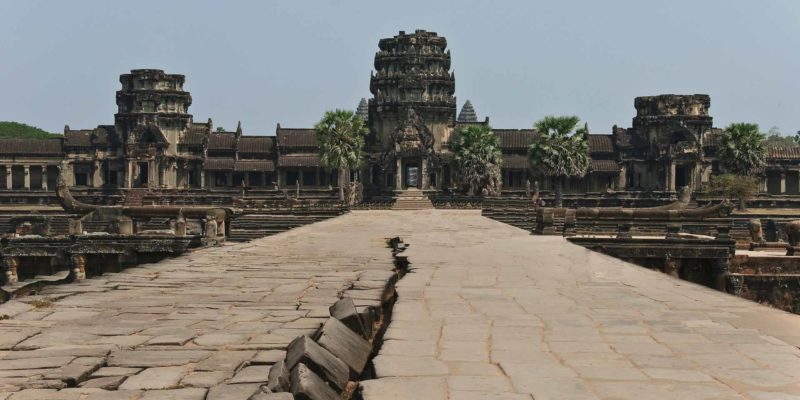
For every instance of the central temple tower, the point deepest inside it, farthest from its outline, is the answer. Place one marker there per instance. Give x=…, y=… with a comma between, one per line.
x=412, y=114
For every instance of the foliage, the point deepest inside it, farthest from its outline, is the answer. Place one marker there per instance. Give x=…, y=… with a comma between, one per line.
x=9, y=129
x=742, y=149
x=340, y=136
x=477, y=158
x=741, y=188
x=220, y=129
x=561, y=151
x=777, y=139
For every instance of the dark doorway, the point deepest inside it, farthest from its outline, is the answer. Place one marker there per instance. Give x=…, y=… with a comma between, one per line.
x=144, y=174
x=681, y=177
x=412, y=175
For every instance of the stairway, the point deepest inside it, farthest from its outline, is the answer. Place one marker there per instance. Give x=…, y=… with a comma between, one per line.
x=411, y=199
x=134, y=197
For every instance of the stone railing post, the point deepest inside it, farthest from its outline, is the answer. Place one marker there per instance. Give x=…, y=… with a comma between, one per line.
x=78, y=262
x=719, y=273
x=10, y=264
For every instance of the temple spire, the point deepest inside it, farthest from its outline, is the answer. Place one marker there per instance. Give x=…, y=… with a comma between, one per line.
x=467, y=113
x=363, y=110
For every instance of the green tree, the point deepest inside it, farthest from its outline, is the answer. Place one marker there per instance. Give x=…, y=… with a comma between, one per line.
x=742, y=149
x=561, y=151
x=777, y=139
x=10, y=129
x=340, y=137
x=477, y=158
x=220, y=129
x=742, y=188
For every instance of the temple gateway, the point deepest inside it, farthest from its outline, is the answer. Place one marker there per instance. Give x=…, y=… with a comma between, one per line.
x=155, y=143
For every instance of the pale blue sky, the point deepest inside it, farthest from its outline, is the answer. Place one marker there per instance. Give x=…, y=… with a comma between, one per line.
x=267, y=62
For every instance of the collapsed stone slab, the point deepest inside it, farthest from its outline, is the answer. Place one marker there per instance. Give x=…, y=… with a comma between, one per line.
x=345, y=311
x=306, y=351
x=345, y=344
x=306, y=385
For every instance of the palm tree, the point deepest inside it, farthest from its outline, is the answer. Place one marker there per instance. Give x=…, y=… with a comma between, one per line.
x=742, y=150
x=477, y=158
x=560, y=151
x=340, y=137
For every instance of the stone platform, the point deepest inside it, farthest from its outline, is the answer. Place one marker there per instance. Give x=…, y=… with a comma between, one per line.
x=491, y=312
x=206, y=325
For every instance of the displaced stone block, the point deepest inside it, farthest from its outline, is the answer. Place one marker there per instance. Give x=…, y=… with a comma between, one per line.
x=278, y=378
x=306, y=385
x=345, y=310
x=345, y=344
x=321, y=361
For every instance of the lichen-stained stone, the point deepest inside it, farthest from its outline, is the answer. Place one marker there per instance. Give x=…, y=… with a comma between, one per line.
x=307, y=351
x=345, y=344
x=225, y=361
x=251, y=374
x=233, y=392
x=155, y=378
x=306, y=385
x=345, y=310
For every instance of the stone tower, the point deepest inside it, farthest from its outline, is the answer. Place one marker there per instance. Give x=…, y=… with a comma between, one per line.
x=669, y=130
x=412, y=114
x=363, y=109
x=152, y=112
x=412, y=71
x=467, y=113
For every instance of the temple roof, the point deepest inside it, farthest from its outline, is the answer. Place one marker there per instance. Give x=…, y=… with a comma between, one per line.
x=363, y=109
x=296, y=137
x=254, y=166
x=603, y=166
x=515, y=138
x=103, y=135
x=219, y=164
x=39, y=147
x=256, y=144
x=222, y=141
x=784, y=153
x=601, y=143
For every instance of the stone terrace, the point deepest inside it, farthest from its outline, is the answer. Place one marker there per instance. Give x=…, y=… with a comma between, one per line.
x=208, y=323
x=491, y=312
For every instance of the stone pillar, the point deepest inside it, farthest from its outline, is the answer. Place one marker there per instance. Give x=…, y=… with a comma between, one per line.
x=763, y=184
x=621, y=181
x=75, y=226
x=671, y=177
x=398, y=178
x=10, y=263
x=202, y=178
x=78, y=266
x=129, y=175
x=97, y=179
x=783, y=182
x=27, y=177
x=424, y=171
x=180, y=227
x=9, y=176
x=44, y=177
x=211, y=228
x=719, y=273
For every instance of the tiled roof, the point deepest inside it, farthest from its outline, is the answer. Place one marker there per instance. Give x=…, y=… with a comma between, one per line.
x=784, y=153
x=515, y=161
x=222, y=141
x=515, y=138
x=193, y=138
x=256, y=144
x=103, y=135
x=603, y=166
x=254, y=166
x=299, y=160
x=601, y=143
x=296, y=138
x=219, y=164
x=38, y=147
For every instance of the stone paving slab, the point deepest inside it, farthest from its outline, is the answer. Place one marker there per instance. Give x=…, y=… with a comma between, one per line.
x=491, y=312
x=204, y=325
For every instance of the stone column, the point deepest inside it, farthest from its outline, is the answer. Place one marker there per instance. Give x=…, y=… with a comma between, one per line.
x=27, y=177
x=398, y=178
x=97, y=180
x=783, y=182
x=763, y=184
x=44, y=177
x=202, y=178
x=78, y=262
x=621, y=181
x=424, y=172
x=9, y=177
x=671, y=177
x=10, y=264
x=129, y=175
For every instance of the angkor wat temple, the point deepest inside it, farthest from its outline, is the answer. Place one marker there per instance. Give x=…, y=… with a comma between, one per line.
x=155, y=142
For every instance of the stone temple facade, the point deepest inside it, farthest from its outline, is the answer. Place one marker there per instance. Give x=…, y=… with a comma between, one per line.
x=412, y=118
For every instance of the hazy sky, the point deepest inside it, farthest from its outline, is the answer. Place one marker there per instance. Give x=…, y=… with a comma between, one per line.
x=268, y=62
